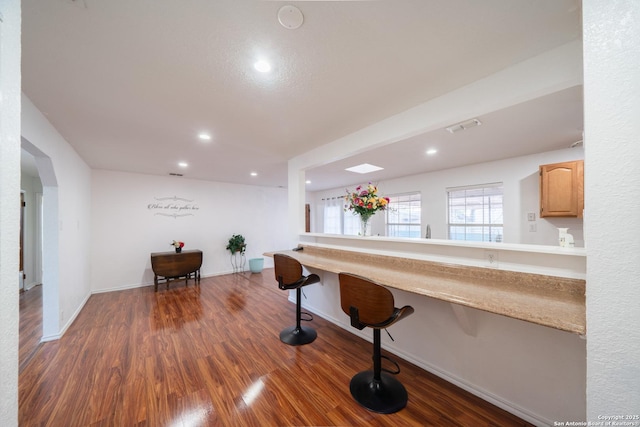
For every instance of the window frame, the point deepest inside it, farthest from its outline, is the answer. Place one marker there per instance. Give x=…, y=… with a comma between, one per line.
x=410, y=225
x=486, y=226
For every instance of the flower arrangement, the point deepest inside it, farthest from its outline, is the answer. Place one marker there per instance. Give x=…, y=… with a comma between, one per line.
x=365, y=201
x=176, y=244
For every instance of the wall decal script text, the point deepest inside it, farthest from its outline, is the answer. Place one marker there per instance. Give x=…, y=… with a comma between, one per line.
x=174, y=207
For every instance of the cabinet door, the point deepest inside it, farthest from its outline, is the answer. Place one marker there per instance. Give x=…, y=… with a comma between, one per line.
x=561, y=189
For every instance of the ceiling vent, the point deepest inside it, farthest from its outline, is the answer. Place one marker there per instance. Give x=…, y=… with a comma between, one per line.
x=464, y=125
x=175, y=174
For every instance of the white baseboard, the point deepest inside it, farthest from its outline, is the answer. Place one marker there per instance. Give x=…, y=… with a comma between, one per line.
x=31, y=286
x=68, y=324
x=53, y=337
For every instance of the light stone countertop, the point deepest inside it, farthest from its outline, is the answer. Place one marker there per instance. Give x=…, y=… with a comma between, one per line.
x=556, y=302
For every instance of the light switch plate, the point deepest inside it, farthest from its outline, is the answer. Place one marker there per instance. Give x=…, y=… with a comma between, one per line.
x=531, y=216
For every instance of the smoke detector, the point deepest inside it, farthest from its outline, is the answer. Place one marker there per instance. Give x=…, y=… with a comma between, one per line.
x=290, y=17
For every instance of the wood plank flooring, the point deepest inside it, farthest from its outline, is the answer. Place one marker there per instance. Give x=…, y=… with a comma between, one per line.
x=210, y=355
x=30, y=323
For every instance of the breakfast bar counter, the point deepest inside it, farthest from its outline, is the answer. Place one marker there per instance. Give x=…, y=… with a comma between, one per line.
x=556, y=302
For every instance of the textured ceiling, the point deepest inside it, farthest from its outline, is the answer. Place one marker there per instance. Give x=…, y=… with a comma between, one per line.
x=130, y=83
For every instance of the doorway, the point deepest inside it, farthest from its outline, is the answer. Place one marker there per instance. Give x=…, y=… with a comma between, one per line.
x=42, y=212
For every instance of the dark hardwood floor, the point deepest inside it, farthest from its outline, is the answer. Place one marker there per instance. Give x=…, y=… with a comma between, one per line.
x=210, y=355
x=30, y=324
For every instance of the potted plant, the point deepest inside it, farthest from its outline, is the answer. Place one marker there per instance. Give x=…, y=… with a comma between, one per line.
x=237, y=246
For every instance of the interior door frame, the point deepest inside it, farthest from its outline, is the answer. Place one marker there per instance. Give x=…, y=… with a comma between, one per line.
x=22, y=276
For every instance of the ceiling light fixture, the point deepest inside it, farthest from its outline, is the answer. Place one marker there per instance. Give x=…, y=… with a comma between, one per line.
x=364, y=168
x=431, y=151
x=254, y=173
x=262, y=66
x=183, y=164
x=204, y=136
x=464, y=125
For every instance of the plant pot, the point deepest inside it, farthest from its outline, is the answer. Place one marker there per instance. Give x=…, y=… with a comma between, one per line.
x=178, y=250
x=256, y=265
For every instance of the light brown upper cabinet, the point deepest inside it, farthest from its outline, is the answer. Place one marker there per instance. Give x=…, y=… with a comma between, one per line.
x=562, y=189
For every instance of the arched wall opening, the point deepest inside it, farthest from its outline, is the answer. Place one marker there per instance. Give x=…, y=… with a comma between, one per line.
x=50, y=243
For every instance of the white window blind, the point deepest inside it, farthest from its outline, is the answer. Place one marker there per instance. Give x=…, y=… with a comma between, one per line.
x=476, y=213
x=351, y=223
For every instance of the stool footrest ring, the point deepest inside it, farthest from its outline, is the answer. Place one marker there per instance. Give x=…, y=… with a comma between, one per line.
x=395, y=371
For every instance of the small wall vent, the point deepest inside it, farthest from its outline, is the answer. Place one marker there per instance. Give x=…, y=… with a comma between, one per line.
x=464, y=125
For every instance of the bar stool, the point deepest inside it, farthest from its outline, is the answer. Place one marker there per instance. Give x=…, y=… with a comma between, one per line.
x=369, y=304
x=289, y=276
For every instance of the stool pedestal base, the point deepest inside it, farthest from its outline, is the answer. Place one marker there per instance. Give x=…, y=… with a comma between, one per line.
x=384, y=396
x=298, y=335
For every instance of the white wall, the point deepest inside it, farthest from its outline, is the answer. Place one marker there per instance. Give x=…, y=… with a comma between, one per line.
x=66, y=224
x=612, y=189
x=9, y=212
x=126, y=228
x=521, y=195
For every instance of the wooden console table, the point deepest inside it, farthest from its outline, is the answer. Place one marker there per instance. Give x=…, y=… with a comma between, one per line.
x=172, y=265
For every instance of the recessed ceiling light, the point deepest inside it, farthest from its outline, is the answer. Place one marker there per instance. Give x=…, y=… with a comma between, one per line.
x=183, y=164
x=431, y=151
x=262, y=66
x=307, y=182
x=204, y=136
x=364, y=168
x=254, y=173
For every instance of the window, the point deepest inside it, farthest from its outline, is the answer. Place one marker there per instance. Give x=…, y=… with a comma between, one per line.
x=335, y=220
x=351, y=224
x=475, y=213
x=332, y=215
x=403, y=215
